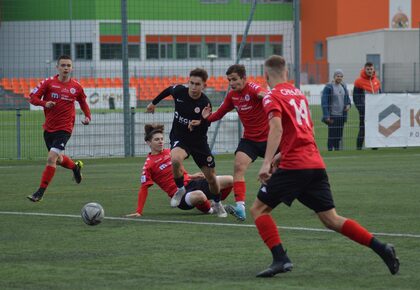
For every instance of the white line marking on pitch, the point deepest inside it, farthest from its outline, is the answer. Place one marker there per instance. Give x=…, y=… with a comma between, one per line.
x=197, y=223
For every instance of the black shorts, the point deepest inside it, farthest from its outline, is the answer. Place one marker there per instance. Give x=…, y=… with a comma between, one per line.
x=196, y=184
x=199, y=150
x=251, y=148
x=309, y=186
x=56, y=139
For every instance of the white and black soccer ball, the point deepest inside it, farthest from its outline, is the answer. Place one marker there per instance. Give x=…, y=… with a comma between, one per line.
x=92, y=213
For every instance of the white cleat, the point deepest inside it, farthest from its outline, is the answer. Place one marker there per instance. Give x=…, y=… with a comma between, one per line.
x=219, y=210
x=176, y=199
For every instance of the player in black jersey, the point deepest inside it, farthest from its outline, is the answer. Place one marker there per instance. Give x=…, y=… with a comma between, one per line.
x=187, y=140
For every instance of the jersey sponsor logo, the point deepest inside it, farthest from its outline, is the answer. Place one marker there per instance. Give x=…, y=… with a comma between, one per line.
x=197, y=110
x=73, y=91
x=181, y=119
x=246, y=108
x=179, y=100
x=143, y=179
x=55, y=86
x=55, y=96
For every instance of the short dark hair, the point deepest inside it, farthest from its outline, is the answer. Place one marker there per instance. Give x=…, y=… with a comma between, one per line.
x=199, y=72
x=152, y=129
x=64, y=56
x=237, y=68
x=276, y=63
x=368, y=64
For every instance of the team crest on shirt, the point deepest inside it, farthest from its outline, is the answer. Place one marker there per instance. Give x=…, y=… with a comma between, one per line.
x=247, y=98
x=209, y=159
x=73, y=91
x=197, y=110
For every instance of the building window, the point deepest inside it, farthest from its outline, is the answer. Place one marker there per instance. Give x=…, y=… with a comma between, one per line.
x=60, y=49
x=83, y=51
x=319, y=50
x=111, y=40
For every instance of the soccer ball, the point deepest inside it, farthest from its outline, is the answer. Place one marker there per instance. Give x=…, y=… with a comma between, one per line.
x=92, y=213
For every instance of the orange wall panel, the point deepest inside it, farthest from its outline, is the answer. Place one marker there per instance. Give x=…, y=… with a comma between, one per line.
x=415, y=13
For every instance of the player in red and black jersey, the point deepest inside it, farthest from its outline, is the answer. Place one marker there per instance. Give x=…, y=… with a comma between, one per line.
x=300, y=173
x=158, y=169
x=246, y=98
x=57, y=96
x=187, y=140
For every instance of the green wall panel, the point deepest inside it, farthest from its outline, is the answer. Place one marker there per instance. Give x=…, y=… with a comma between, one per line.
x=24, y=10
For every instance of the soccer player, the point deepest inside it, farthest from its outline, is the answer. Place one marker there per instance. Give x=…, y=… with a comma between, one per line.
x=57, y=96
x=158, y=169
x=300, y=174
x=246, y=98
x=186, y=140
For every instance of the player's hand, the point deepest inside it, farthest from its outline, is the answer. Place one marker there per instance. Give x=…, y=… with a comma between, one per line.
x=198, y=175
x=136, y=214
x=193, y=123
x=150, y=108
x=86, y=121
x=347, y=108
x=264, y=174
x=206, y=112
x=49, y=104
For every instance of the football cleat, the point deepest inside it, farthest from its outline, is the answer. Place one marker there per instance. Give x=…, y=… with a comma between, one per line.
x=176, y=198
x=390, y=258
x=37, y=196
x=77, y=175
x=277, y=267
x=237, y=211
x=219, y=210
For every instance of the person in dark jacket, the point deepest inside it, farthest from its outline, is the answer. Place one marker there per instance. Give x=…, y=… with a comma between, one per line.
x=335, y=103
x=367, y=83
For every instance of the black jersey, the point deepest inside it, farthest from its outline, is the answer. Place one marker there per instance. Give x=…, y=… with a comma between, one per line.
x=186, y=110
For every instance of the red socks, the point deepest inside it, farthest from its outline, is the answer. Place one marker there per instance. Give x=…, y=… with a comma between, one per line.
x=204, y=207
x=224, y=193
x=47, y=175
x=239, y=188
x=356, y=232
x=268, y=230
x=67, y=162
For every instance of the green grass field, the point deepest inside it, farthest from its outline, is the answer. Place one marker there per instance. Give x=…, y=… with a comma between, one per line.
x=47, y=246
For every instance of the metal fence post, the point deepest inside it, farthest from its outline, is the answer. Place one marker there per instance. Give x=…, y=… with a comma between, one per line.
x=18, y=143
x=132, y=130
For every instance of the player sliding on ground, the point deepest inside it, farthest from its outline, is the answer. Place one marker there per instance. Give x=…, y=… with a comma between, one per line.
x=158, y=169
x=300, y=174
x=185, y=140
x=57, y=96
x=246, y=98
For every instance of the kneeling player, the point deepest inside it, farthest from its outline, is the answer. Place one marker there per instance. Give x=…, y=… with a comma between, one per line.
x=158, y=169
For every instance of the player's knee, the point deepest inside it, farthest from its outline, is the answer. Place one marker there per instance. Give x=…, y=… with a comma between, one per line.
x=176, y=162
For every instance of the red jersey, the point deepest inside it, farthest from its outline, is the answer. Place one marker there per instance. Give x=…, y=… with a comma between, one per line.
x=158, y=169
x=298, y=148
x=64, y=94
x=250, y=111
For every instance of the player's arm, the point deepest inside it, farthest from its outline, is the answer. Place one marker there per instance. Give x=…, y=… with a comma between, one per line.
x=35, y=97
x=273, y=141
x=224, y=108
x=85, y=107
x=165, y=93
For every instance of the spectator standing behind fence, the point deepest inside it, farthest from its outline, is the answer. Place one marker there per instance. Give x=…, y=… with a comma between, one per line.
x=57, y=96
x=367, y=83
x=335, y=103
